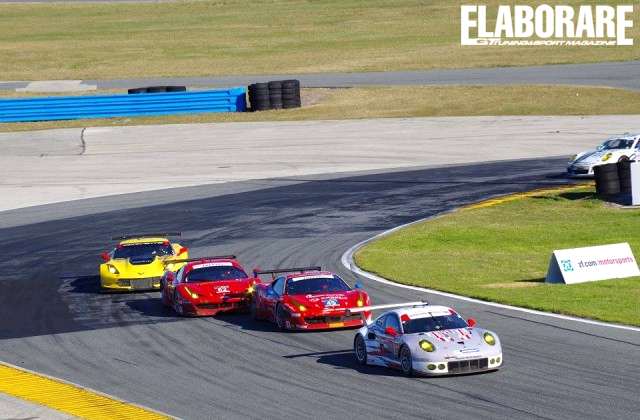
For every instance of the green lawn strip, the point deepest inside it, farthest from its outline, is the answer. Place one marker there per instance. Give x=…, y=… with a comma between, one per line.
x=399, y=101
x=47, y=41
x=501, y=254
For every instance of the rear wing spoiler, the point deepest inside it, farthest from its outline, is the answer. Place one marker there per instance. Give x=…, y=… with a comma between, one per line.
x=146, y=235
x=187, y=260
x=273, y=272
x=351, y=311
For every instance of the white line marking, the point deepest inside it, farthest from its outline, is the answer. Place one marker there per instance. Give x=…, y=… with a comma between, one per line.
x=349, y=264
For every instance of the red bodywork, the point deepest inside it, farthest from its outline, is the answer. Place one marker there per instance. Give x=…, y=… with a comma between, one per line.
x=317, y=311
x=206, y=298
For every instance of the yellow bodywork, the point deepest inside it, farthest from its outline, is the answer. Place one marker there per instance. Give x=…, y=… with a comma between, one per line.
x=120, y=275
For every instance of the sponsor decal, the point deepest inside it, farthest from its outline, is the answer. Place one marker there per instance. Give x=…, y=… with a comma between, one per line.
x=546, y=25
x=603, y=262
x=309, y=278
x=213, y=264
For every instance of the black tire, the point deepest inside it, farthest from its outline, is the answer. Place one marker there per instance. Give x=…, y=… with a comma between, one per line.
x=253, y=310
x=259, y=87
x=623, y=159
x=291, y=90
x=360, y=350
x=177, y=308
x=136, y=91
x=406, y=361
x=156, y=89
x=276, y=84
x=289, y=105
x=280, y=322
x=176, y=88
x=291, y=83
x=290, y=97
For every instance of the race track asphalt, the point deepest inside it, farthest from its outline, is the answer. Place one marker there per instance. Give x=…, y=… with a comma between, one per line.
x=623, y=74
x=53, y=320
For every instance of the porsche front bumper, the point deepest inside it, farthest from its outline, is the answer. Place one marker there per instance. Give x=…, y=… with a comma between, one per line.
x=458, y=366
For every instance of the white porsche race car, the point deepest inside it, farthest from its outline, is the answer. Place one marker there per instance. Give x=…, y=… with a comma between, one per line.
x=615, y=149
x=424, y=339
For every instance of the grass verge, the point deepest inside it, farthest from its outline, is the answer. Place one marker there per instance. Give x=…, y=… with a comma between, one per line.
x=501, y=254
x=45, y=41
x=403, y=101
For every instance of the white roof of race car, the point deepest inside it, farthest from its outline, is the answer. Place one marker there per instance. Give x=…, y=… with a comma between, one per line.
x=625, y=136
x=423, y=311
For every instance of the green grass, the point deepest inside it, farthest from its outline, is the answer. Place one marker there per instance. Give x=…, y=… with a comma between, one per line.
x=501, y=254
x=403, y=101
x=119, y=40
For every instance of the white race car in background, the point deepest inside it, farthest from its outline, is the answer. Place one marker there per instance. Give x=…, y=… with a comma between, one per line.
x=615, y=149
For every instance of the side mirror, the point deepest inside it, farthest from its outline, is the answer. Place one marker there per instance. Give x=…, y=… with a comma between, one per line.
x=471, y=322
x=183, y=250
x=255, y=271
x=391, y=331
x=358, y=285
x=105, y=256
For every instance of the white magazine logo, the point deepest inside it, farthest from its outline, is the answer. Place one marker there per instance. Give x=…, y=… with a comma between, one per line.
x=547, y=25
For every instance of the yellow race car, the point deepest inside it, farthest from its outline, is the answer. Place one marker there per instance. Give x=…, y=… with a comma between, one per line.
x=139, y=261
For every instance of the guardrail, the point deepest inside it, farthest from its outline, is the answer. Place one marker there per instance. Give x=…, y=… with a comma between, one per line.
x=107, y=106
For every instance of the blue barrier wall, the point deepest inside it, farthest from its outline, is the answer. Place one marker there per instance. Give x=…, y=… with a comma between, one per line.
x=106, y=106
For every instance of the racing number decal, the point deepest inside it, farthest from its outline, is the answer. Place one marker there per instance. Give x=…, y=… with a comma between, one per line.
x=222, y=289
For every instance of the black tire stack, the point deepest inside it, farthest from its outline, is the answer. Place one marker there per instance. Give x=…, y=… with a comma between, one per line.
x=624, y=175
x=157, y=89
x=607, y=181
x=259, y=97
x=291, y=94
x=277, y=94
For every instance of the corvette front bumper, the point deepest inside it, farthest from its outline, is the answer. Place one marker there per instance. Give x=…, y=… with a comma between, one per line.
x=129, y=285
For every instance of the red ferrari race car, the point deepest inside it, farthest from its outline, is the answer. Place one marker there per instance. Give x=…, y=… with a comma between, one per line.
x=208, y=285
x=308, y=299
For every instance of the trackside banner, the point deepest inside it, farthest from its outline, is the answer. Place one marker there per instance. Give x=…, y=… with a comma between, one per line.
x=581, y=265
x=546, y=25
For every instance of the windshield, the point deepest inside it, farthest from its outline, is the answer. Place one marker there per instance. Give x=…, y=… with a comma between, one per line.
x=435, y=323
x=150, y=250
x=316, y=285
x=215, y=273
x=616, y=144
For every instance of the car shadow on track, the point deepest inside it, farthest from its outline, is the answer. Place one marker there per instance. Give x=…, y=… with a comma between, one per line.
x=344, y=359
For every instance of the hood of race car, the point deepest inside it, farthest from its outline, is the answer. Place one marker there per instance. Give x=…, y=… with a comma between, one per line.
x=326, y=301
x=457, y=343
x=215, y=291
x=139, y=267
x=593, y=157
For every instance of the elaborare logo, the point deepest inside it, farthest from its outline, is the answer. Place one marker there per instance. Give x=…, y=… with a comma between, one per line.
x=547, y=25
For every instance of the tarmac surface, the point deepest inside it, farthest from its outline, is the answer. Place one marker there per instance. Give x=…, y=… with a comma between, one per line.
x=60, y=165
x=55, y=321
x=625, y=74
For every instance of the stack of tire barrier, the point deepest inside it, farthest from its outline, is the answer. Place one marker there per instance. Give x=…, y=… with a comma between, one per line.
x=157, y=89
x=277, y=94
x=613, y=178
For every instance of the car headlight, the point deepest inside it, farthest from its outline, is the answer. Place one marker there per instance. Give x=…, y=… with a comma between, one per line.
x=250, y=289
x=607, y=157
x=112, y=269
x=193, y=295
x=427, y=346
x=572, y=158
x=302, y=308
x=489, y=339
x=360, y=303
